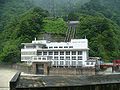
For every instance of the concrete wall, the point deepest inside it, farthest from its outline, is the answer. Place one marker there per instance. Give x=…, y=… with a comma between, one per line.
x=56, y=71
x=72, y=71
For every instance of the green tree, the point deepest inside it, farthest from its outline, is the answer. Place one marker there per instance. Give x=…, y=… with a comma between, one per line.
x=103, y=36
x=24, y=29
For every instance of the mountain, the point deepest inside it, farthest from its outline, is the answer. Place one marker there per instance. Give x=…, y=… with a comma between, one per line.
x=22, y=20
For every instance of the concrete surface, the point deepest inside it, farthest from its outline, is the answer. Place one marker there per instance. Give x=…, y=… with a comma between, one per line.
x=6, y=75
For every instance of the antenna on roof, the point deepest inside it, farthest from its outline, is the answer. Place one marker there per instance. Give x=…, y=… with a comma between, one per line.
x=35, y=39
x=43, y=38
x=85, y=36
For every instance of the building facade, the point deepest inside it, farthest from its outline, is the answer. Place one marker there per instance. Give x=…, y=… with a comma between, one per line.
x=59, y=54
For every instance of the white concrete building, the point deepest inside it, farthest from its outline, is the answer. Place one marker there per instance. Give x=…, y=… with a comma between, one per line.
x=66, y=54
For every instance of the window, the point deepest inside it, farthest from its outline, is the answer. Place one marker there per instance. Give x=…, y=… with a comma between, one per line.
x=61, y=53
x=49, y=57
x=55, y=62
x=65, y=46
x=70, y=46
x=73, y=63
x=55, y=53
x=39, y=58
x=56, y=58
x=73, y=52
x=44, y=53
x=50, y=47
x=55, y=47
x=61, y=58
x=74, y=58
x=79, y=57
x=44, y=58
x=68, y=63
x=79, y=63
x=79, y=52
x=60, y=47
x=35, y=58
x=28, y=53
x=87, y=63
x=39, y=53
x=50, y=53
x=67, y=52
x=44, y=47
x=25, y=58
x=31, y=46
x=67, y=58
x=91, y=63
x=61, y=63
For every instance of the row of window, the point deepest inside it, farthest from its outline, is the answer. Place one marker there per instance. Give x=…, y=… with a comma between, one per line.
x=50, y=47
x=67, y=63
x=31, y=46
x=57, y=53
x=90, y=63
x=55, y=58
x=58, y=58
x=28, y=53
x=25, y=58
x=61, y=47
x=68, y=58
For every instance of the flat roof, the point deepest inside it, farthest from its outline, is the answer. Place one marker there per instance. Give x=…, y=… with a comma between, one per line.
x=54, y=81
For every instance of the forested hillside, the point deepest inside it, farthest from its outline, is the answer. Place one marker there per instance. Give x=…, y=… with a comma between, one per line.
x=23, y=20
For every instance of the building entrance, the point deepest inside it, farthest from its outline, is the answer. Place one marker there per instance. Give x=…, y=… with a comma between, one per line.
x=39, y=68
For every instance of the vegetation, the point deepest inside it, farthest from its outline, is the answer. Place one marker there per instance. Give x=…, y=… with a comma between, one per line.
x=56, y=26
x=22, y=30
x=22, y=20
x=103, y=35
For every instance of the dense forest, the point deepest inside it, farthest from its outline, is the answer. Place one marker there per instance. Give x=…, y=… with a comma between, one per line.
x=23, y=20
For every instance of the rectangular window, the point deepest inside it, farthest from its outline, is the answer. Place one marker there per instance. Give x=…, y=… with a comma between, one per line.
x=50, y=47
x=68, y=63
x=61, y=63
x=45, y=47
x=30, y=47
x=67, y=52
x=73, y=58
x=43, y=58
x=79, y=57
x=61, y=58
x=50, y=53
x=49, y=57
x=55, y=58
x=55, y=63
x=73, y=63
x=35, y=58
x=79, y=52
x=79, y=63
x=91, y=63
x=55, y=53
x=39, y=52
x=60, y=47
x=39, y=58
x=55, y=47
x=61, y=53
x=65, y=46
x=70, y=46
x=26, y=58
x=67, y=58
x=87, y=63
x=44, y=53
x=73, y=52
